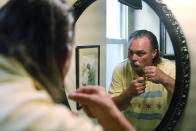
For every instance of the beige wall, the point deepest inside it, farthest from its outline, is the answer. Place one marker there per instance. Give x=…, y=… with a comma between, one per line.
x=2, y=2
x=184, y=12
x=90, y=30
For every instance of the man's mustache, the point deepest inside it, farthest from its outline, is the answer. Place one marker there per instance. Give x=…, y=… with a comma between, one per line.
x=135, y=63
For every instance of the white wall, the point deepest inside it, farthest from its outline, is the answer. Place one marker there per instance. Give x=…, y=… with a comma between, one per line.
x=145, y=19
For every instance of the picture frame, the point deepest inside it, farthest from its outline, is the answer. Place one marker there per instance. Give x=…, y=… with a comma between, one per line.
x=87, y=66
x=166, y=48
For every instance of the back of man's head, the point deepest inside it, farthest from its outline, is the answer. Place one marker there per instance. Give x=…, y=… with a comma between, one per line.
x=37, y=33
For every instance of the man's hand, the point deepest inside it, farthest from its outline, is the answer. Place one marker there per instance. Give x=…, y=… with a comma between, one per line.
x=157, y=76
x=93, y=100
x=137, y=86
x=97, y=103
x=154, y=74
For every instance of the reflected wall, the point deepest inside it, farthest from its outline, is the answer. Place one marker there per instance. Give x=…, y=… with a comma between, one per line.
x=89, y=30
x=184, y=12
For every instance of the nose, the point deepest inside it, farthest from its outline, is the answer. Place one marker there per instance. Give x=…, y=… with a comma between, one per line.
x=134, y=57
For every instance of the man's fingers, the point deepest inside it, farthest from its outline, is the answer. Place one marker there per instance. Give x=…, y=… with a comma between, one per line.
x=140, y=84
x=149, y=69
x=75, y=112
x=141, y=88
x=80, y=98
x=86, y=89
x=141, y=92
x=91, y=90
x=141, y=79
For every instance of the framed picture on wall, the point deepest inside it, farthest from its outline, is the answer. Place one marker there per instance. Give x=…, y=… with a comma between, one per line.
x=87, y=66
x=166, y=47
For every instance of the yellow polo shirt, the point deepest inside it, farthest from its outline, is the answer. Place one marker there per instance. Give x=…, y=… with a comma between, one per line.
x=147, y=110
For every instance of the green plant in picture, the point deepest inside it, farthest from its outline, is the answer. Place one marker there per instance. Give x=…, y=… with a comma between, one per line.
x=91, y=76
x=85, y=74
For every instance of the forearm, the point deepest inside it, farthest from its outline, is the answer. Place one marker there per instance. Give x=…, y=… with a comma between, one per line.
x=169, y=83
x=116, y=122
x=123, y=100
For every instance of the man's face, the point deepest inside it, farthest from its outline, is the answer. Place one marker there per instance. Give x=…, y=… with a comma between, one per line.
x=140, y=53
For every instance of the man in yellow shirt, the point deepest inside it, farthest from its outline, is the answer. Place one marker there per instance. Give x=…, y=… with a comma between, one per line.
x=143, y=84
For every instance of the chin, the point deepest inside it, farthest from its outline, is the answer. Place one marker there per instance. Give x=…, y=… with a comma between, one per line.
x=136, y=68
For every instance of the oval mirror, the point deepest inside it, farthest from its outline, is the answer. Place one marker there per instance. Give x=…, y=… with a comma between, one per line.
x=174, y=32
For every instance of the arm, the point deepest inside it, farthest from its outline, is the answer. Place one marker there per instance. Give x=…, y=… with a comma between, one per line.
x=123, y=100
x=156, y=75
x=169, y=83
x=122, y=97
x=98, y=104
x=135, y=88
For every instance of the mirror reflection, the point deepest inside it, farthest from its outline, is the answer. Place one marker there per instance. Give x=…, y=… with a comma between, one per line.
x=147, y=108
x=143, y=81
x=143, y=84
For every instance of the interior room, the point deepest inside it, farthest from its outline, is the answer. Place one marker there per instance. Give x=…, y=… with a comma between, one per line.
x=97, y=27
x=93, y=28
x=101, y=33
